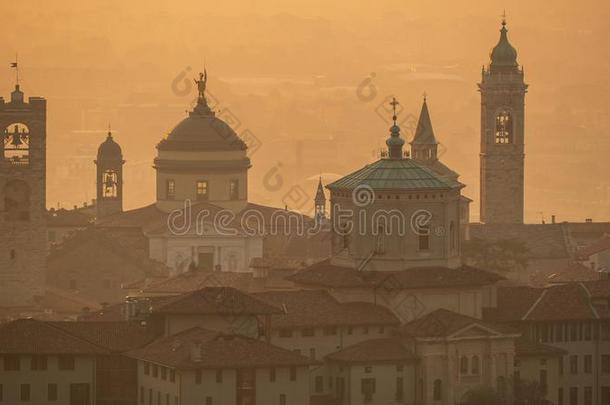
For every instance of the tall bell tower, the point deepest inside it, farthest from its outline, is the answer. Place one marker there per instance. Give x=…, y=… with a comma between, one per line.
x=502, y=156
x=23, y=235
x=109, y=178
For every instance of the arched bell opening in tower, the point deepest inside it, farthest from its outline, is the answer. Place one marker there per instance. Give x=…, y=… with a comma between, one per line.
x=110, y=184
x=16, y=142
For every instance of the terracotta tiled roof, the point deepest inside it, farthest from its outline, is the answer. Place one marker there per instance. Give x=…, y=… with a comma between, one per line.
x=216, y=351
x=569, y=301
x=309, y=308
x=596, y=247
x=375, y=350
x=326, y=274
x=38, y=337
x=543, y=241
x=525, y=347
x=117, y=337
x=216, y=300
x=574, y=272
x=444, y=323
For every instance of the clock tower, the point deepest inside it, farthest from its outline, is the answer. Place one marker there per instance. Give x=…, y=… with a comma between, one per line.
x=23, y=235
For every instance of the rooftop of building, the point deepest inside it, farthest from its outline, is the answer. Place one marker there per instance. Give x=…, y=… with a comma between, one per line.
x=317, y=308
x=199, y=348
x=384, y=350
x=326, y=274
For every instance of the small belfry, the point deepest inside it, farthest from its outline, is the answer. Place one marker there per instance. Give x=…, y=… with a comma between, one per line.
x=109, y=177
x=502, y=155
x=320, y=203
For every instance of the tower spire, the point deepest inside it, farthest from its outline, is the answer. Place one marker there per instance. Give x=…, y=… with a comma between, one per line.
x=394, y=142
x=424, y=144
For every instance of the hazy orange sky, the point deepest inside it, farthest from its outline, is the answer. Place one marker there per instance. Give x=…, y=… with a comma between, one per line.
x=289, y=73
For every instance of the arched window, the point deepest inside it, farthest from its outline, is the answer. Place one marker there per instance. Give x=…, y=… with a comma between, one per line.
x=504, y=127
x=475, y=366
x=17, y=201
x=437, y=392
x=110, y=181
x=16, y=140
x=464, y=365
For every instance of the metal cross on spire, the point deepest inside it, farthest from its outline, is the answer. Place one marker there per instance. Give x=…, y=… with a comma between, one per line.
x=394, y=103
x=504, y=17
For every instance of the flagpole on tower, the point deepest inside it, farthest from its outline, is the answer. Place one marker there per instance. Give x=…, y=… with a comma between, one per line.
x=16, y=66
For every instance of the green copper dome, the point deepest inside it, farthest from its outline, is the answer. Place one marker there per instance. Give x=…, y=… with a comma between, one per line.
x=504, y=54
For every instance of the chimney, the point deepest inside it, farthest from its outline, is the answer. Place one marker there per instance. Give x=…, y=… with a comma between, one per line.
x=196, y=355
x=552, y=219
x=589, y=220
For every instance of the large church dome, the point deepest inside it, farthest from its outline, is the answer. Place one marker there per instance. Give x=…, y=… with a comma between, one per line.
x=202, y=130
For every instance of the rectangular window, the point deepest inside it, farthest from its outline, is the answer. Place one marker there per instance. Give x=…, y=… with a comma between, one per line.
x=588, y=396
x=146, y=368
x=52, y=392
x=367, y=387
x=399, y=388
x=574, y=364
x=282, y=399
x=197, y=376
x=11, y=362
x=272, y=374
x=573, y=395
x=561, y=365
x=424, y=237
x=170, y=189
x=25, y=392
x=202, y=190
x=219, y=376
x=606, y=363
x=543, y=381
x=65, y=362
x=307, y=332
x=588, y=366
x=293, y=373
x=234, y=190
x=163, y=373
x=319, y=384
x=172, y=375
x=155, y=371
